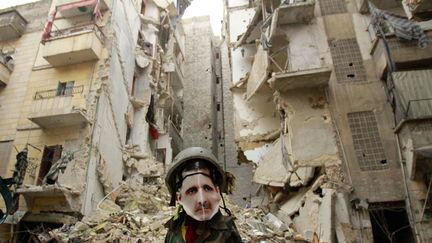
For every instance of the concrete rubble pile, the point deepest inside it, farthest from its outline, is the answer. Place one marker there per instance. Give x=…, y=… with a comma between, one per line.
x=137, y=210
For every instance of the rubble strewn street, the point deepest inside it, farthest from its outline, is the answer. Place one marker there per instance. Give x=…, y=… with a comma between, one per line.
x=139, y=211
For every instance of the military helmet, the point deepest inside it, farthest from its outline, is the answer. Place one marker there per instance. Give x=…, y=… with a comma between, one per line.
x=189, y=155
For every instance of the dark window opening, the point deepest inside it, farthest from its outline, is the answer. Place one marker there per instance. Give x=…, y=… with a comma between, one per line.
x=384, y=161
x=65, y=88
x=29, y=231
x=427, y=202
x=50, y=155
x=350, y=64
x=133, y=85
x=217, y=55
x=351, y=76
x=128, y=133
x=217, y=80
x=143, y=8
x=390, y=223
x=218, y=106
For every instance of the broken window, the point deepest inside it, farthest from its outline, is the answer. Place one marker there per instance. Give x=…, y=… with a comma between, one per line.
x=5, y=150
x=390, y=223
x=65, y=88
x=50, y=155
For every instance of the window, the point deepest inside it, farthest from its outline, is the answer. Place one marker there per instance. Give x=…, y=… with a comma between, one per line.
x=50, y=155
x=65, y=88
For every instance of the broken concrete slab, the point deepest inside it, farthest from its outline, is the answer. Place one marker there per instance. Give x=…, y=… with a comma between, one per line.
x=271, y=168
x=301, y=176
x=294, y=203
x=307, y=219
x=311, y=78
x=326, y=217
x=299, y=12
x=51, y=198
x=259, y=72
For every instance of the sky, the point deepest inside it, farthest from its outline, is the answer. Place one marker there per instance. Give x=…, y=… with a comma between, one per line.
x=8, y=3
x=212, y=8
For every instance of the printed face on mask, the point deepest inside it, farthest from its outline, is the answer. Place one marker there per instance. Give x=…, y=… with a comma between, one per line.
x=198, y=195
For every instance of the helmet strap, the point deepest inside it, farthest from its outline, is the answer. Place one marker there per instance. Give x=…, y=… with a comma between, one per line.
x=224, y=205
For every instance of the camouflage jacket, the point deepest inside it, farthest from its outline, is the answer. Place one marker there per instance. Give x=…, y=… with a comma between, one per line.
x=217, y=230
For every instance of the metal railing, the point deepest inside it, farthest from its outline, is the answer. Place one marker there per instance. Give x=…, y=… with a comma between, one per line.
x=51, y=93
x=77, y=30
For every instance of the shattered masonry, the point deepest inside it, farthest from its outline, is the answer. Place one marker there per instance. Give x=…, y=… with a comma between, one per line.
x=325, y=126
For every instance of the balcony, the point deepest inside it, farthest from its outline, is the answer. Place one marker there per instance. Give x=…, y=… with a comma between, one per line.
x=312, y=78
x=405, y=55
x=12, y=25
x=389, y=5
x=51, y=109
x=74, y=45
x=6, y=68
x=71, y=8
x=51, y=198
x=296, y=12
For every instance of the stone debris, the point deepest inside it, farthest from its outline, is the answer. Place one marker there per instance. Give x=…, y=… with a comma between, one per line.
x=140, y=210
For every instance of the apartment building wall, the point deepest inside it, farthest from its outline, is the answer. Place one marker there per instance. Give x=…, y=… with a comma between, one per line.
x=318, y=85
x=198, y=87
x=105, y=119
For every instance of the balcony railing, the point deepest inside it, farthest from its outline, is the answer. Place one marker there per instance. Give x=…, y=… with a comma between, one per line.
x=51, y=93
x=77, y=30
x=73, y=45
x=59, y=107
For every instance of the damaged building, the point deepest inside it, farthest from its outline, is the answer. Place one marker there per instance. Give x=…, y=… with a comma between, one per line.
x=320, y=109
x=91, y=93
x=332, y=106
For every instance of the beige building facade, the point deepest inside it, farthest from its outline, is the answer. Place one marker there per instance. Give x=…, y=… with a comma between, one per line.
x=94, y=94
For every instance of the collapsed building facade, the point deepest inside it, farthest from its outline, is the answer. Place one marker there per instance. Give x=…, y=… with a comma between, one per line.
x=324, y=105
x=90, y=95
x=332, y=104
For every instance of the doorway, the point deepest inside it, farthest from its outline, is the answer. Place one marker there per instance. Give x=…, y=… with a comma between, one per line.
x=50, y=155
x=390, y=223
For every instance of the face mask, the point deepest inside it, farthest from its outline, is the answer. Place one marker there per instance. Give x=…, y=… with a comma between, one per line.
x=199, y=197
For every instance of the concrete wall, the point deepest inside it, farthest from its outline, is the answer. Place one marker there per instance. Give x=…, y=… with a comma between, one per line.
x=198, y=97
x=365, y=96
